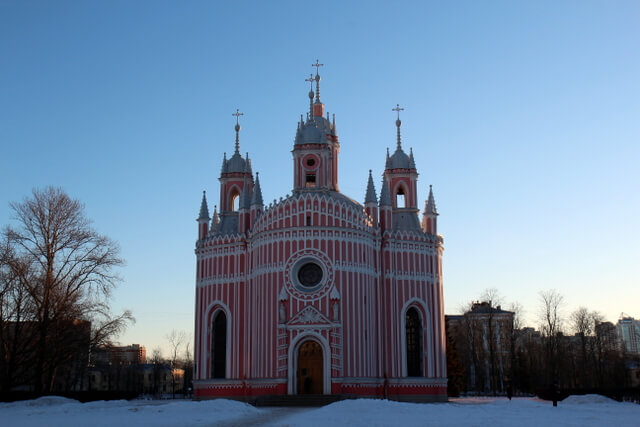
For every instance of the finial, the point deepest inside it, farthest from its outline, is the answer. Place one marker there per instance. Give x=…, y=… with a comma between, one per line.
x=310, y=80
x=317, y=65
x=398, y=122
x=204, y=209
x=237, y=115
x=370, y=195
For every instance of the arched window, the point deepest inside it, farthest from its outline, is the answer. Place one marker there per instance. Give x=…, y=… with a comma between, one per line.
x=235, y=200
x=219, y=345
x=413, y=328
x=400, y=198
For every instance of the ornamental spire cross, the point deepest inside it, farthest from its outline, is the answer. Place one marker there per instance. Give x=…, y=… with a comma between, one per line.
x=317, y=65
x=398, y=123
x=398, y=109
x=237, y=115
x=310, y=80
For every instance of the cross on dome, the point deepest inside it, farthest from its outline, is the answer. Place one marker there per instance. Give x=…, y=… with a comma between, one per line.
x=237, y=115
x=310, y=80
x=317, y=65
x=398, y=122
x=398, y=109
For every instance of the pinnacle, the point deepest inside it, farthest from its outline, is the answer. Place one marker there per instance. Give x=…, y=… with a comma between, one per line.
x=256, y=200
x=385, y=198
x=370, y=196
x=204, y=209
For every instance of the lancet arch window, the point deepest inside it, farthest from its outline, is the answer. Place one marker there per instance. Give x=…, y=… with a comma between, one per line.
x=413, y=330
x=219, y=345
x=234, y=200
x=401, y=197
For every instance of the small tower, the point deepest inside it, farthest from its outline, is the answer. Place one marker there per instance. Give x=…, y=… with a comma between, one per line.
x=244, y=210
x=430, y=215
x=203, y=218
x=316, y=147
x=386, y=214
x=371, y=201
x=215, y=220
x=257, y=205
x=235, y=179
x=400, y=172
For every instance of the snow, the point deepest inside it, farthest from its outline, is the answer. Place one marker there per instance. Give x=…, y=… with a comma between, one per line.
x=583, y=411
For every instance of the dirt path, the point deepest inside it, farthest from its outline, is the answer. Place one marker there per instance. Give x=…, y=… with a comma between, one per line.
x=267, y=417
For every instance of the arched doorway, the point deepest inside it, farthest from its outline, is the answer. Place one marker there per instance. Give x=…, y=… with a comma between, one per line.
x=310, y=376
x=413, y=328
x=219, y=345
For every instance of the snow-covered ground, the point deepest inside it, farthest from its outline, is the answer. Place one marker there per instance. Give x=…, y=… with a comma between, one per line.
x=583, y=411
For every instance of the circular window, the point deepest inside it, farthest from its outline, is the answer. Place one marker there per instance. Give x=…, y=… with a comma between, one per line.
x=310, y=275
x=310, y=162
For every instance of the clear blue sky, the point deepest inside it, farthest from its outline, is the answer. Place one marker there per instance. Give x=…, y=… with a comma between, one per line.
x=525, y=117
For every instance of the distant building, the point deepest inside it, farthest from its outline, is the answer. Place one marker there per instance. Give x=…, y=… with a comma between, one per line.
x=607, y=335
x=147, y=378
x=482, y=337
x=629, y=333
x=133, y=354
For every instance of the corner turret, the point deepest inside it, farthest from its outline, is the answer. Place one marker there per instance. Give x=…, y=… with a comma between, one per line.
x=430, y=214
x=371, y=201
x=236, y=185
x=203, y=218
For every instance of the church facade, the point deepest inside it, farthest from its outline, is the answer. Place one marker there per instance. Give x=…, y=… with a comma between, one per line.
x=316, y=293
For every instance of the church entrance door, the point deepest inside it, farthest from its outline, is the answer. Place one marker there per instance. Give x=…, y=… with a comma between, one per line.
x=310, y=378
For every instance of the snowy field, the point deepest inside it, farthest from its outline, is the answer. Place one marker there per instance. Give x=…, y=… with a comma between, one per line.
x=591, y=410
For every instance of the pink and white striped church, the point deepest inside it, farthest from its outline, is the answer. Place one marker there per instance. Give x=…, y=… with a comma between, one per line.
x=317, y=293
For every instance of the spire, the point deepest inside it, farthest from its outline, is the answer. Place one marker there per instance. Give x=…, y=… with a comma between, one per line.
x=385, y=198
x=204, y=209
x=224, y=163
x=398, y=124
x=310, y=80
x=256, y=200
x=245, y=198
x=387, y=163
x=370, y=197
x=412, y=162
x=237, y=115
x=430, y=204
x=248, y=163
x=317, y=78
x=214, y=221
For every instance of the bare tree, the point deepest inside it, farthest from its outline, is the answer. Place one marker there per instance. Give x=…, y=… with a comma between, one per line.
x=176, y=339
x=492, y=296
x=551, y=305
x=69, y=278
x=518, y=314
x=187, y=365
x=157, y=361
